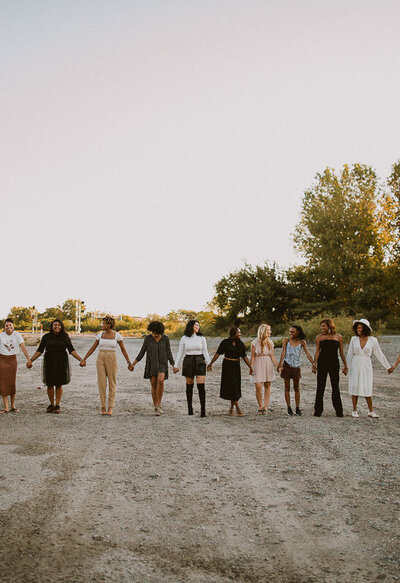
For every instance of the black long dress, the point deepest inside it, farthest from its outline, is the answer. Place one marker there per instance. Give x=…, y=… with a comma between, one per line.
x=55, y=370
x=157, y=356
x=328, y=363
x=231, y=376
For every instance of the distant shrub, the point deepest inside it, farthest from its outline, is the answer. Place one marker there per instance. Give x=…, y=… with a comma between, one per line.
x=91, y=325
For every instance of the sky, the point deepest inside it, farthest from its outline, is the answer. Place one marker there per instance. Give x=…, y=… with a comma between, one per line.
x=150, y=147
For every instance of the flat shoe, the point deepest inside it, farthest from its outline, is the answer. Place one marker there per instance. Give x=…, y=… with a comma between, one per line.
x=373, y=414
x=56, y=409
x=14, y=410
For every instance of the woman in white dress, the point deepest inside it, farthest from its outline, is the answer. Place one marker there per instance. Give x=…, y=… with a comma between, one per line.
x=262, y=361
x=361, y=348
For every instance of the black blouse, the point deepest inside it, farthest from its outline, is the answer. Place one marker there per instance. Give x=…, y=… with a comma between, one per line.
x=157, y=356
x=55, y=344
x=230, y=350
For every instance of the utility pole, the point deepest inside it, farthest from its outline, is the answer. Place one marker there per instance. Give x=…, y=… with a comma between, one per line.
x=79, y=304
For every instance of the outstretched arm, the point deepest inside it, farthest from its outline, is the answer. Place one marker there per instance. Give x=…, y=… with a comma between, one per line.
x=24, y=350
x=391, y=369
x=76, y=355
x=124, y=352
x=89, y=352
x=305, y=348
x=285, y=341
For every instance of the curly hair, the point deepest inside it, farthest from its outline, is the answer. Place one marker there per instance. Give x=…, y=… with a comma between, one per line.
x=189, y=328
x=300, y=332
x=109, y=320
x=365, y=330
x=156, y=327
x=62, y=332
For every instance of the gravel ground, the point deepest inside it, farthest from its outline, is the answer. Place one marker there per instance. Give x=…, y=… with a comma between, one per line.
x=173, y=499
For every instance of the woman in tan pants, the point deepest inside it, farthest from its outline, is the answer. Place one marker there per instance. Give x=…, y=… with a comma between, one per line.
x=107, y=366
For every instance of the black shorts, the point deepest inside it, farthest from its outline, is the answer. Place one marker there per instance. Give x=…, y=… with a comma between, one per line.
x=193, y=366
x=290, y=372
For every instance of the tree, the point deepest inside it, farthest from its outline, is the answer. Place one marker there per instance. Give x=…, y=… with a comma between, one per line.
x=341, y=233
x=253, y=295
x=22, y=317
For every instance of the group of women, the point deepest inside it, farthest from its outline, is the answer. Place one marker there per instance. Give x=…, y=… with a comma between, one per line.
x=193, y=352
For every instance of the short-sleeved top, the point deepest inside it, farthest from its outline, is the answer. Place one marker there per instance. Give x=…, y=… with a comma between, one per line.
x=257, y=347
x=9, y=343
x=230, y=350
x=54, y=344
x=108, y=343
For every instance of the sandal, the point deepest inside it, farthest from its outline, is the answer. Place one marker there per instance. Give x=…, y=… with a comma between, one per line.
x=50, y=409
x=56, y=409
x=14, y=410
x=4, y=411
x=260, y=411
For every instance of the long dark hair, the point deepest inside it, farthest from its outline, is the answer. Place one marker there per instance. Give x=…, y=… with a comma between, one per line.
x=62, y=331
x=365, y=330
x=189, y=328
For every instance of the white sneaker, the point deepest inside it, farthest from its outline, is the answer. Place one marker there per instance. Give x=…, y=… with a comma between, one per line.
x=157, y=411
x=373, y=414
x=160, y=411
x=354, y=413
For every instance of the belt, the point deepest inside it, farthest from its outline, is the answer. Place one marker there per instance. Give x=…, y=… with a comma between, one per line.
x=233, y=359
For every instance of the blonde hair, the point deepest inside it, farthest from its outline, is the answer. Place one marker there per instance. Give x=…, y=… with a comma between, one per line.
x=263, y=336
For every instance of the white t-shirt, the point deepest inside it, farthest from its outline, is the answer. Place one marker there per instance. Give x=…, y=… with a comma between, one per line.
x=108, y=343
x=9, y=343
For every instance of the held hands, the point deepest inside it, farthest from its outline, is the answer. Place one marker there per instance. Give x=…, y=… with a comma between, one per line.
x=251, y=370
x=209, y=368
x=131, y=367
x=314, y=368
x=82, y=362
x=390, y=370
x=29, y=364
x=175, y=369
x=345, y=370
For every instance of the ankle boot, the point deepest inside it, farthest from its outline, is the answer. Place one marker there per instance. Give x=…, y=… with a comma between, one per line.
x=202, y=396
x=189, y=398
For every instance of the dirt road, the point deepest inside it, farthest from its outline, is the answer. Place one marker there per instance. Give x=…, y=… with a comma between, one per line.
x=139, y=498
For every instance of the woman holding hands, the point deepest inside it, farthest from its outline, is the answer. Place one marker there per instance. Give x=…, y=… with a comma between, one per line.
x=233, y=350
x=106, y=364
x=262, y=361
x=56, y=345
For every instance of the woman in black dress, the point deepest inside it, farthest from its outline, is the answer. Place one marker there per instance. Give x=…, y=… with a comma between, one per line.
x=233, y=350
x=157, y=348
x=56, y=370
x=326, y=361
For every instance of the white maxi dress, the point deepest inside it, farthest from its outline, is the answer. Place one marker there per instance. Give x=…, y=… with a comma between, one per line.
x=360, y=365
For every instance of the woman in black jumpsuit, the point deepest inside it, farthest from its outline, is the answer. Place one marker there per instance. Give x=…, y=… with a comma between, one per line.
x=326, y=362
x=233, y=350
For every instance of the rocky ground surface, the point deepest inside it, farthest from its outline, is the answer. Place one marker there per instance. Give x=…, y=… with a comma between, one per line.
x=139, y=498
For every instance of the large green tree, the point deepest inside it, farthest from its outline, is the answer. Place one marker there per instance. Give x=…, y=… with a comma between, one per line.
x=342, y=232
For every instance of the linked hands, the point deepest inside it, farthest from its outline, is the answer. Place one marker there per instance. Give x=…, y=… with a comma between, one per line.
x=29, y=364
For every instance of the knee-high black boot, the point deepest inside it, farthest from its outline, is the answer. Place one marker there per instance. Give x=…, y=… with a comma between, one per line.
x=202, y=396
x=189, y=398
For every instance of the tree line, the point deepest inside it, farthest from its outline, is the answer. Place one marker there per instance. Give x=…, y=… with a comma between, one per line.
x=348, y=236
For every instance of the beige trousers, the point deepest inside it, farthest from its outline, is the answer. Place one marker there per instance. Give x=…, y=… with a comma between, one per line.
x=107, y=369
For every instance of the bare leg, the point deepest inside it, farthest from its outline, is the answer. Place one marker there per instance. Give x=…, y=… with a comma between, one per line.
x=50, y=394
x=296, y=386
x=59, y=392
x=287, y=392
x=354, y=399
x=5, y=403
x=160, y=388
x=267, y=395
x=153, y=382
x=231, y=408
x=259, y=395
x=239, y=412
x=13, y=407
x=369, y=403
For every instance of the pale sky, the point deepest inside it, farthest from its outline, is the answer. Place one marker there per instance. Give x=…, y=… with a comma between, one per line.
x=148, y=147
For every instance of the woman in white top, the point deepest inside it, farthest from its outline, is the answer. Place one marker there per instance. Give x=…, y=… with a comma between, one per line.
x=10, y=343
x=262, y=361
x=361, y=348
x=193, y=347
x=106, y=364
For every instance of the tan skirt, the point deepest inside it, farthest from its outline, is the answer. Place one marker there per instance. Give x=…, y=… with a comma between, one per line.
x=8, y=374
